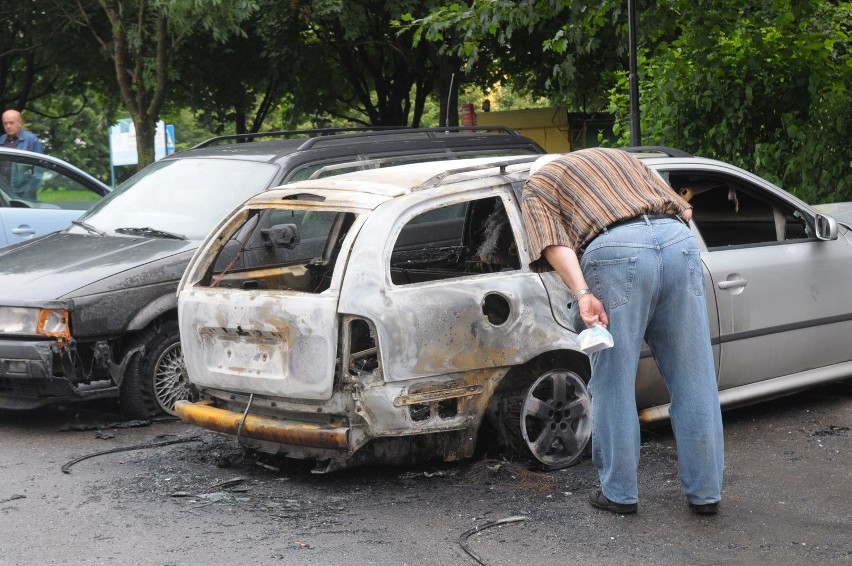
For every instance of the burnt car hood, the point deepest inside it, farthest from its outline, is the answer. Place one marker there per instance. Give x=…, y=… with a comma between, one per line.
x=63, y=265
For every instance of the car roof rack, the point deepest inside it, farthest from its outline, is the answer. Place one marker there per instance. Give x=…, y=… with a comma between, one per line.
x=364, y=164
x=320, y=133
x=439, y=179
x=667, y=151
x=393, y=160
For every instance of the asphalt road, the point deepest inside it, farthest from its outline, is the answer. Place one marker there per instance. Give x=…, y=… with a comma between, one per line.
x=201, y=500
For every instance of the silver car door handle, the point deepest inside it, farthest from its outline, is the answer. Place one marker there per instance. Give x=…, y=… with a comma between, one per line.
x=23, y=230
x=733, y=284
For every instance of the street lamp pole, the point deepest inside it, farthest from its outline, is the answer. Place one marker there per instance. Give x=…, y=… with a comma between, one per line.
x=635, y=134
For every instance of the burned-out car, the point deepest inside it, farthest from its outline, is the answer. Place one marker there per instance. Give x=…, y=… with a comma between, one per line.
x=91, y=311
x=388, y=315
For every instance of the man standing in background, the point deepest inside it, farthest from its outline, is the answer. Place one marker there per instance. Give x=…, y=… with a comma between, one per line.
x=23, y=180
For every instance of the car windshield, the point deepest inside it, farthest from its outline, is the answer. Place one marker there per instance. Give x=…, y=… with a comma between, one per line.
x=179, y=196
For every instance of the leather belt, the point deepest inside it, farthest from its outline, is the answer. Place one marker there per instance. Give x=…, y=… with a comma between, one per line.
x=641, y=219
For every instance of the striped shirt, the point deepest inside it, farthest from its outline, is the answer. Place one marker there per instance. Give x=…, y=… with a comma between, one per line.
x=571, y=199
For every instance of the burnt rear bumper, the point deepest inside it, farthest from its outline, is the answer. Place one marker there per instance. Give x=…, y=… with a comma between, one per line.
x=283, y=431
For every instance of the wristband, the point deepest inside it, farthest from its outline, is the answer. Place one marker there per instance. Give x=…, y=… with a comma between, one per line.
x=580, y=293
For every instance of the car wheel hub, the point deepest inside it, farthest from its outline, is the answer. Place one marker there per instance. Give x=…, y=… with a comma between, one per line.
x=170, y=380
x=556, y=419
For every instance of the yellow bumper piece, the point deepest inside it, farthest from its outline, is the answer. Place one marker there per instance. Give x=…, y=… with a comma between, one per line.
x=312, y=435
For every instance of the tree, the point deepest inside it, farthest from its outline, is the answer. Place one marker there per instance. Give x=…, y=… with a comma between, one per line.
x=234, y=85
x=38, y=58
x=565, y=50
x=763, y=85
x=346, y=60
x=142, y=39
x=81, y=137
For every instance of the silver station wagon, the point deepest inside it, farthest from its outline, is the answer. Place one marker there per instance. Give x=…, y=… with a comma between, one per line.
x=391, y=315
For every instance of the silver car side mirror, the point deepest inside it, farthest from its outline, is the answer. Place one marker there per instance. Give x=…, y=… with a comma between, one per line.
x=826, y=227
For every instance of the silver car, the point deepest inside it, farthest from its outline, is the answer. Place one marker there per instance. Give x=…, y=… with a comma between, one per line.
x=391, y=315
x=56, y=193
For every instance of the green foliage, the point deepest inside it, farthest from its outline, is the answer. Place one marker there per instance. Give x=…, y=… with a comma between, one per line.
x=346, y=61
x=142, y=38
x=564, y=50
x=765, y=86
x=80, y=136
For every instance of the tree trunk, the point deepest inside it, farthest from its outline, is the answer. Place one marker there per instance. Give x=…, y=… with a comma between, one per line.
x=142, y=97
x=145, y=130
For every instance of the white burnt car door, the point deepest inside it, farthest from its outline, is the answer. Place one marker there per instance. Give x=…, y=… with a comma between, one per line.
x=258, y=305
x=445, y=278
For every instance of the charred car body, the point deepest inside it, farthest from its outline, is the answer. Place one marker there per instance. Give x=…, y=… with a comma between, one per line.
x=386, y=315
x=92, y=312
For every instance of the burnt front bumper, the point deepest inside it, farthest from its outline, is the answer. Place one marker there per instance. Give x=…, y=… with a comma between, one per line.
x=32, y=375
x=280, y=431
x=27, y=379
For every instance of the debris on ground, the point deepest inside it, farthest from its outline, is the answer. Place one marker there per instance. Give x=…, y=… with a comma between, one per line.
x=465, y=535
x=831, y=431
x=511, y=475
x=12, y=498
x=223, y=485
x=83, y=427
x=66, y=468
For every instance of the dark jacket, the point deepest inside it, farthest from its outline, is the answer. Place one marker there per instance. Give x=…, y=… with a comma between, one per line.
x=26, y=141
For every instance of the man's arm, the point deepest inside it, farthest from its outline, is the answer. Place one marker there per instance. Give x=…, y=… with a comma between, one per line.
x=565, y=262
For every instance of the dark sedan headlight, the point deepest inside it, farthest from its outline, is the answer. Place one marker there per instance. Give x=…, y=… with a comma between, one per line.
x=35, y=321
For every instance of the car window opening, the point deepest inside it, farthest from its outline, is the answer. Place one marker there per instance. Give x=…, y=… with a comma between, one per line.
x=282, y=249
x=455, y=241
x=28, y=185
x=728, y=213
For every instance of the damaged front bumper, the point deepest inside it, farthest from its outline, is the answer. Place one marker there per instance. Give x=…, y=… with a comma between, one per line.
x=27, y=377
x=32, y=376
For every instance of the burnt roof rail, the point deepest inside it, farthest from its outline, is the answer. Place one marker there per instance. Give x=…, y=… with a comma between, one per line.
x=439, y=179
x=393, y=161
x=321, y=133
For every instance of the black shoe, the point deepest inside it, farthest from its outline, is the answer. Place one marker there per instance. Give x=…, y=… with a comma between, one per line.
x=704, y=508
x=599, y=500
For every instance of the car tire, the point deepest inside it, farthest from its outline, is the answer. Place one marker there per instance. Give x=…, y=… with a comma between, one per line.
x=156, y=377
x=546, y=416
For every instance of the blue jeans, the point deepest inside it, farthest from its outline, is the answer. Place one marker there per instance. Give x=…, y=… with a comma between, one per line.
x=648, y=275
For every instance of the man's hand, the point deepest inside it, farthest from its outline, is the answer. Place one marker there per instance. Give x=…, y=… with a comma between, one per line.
x=592, y=311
